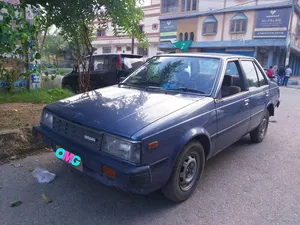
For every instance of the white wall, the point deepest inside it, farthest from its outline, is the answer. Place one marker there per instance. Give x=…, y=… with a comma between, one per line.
x=207, y=5
x=249, y=33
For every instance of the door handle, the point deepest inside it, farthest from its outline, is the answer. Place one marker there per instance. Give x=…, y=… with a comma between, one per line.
x=246, y=102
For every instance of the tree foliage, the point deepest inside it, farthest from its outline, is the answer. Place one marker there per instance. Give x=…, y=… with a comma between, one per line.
x=16, y=36
x=75, y=19
x=16, y=33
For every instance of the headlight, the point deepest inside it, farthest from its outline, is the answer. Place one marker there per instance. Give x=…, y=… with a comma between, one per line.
x=47, y=119
x=121, y=148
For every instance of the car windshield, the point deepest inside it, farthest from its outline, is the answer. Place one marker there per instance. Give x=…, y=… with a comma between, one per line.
x=184, y=74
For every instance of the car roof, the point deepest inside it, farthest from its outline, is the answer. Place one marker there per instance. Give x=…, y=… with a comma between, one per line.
x=210, y=55
x=122, y=54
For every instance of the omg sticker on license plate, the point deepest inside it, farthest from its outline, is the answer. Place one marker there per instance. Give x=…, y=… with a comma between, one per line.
x=70, y=158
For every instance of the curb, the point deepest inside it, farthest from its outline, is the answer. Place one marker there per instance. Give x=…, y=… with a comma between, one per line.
x=293, y=82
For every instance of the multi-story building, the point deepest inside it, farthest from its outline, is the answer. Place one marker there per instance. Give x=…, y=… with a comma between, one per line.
x=106, y=42
x=266, y=29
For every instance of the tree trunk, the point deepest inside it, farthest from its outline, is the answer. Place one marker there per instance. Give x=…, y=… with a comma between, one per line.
x=44, y=39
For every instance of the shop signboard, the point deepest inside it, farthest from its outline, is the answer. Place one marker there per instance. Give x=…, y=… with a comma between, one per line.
x=272, y=23
x=35, y=82
x=168, y=30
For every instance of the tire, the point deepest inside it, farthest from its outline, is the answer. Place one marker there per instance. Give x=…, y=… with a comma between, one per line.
x=186, y=173
x=259, y=133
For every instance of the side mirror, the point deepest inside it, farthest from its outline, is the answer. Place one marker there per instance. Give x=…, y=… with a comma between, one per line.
x=121, y=79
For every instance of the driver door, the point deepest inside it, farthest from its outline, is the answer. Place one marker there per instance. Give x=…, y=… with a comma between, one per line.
x=233, y=111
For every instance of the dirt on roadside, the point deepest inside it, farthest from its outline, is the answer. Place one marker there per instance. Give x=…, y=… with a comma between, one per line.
x=19, y=115
x=16, y=121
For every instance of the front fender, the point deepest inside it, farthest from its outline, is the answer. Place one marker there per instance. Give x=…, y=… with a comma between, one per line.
x=193, y=134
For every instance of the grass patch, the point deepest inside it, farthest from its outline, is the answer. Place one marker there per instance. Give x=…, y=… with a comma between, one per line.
x=39, y=96
x=58, y=71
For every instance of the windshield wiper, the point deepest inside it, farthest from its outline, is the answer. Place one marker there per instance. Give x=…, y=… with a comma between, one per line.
x=129, y=85
x=185, y=90
x=139, y=85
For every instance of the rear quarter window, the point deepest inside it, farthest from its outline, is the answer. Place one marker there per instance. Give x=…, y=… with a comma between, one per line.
x=132, y=63
x=103, y=63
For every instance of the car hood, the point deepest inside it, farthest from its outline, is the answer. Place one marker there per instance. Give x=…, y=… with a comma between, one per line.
x=121, y=111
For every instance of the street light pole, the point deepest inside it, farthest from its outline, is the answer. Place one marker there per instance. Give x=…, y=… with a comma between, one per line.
x=132, y=43
x=132, y=36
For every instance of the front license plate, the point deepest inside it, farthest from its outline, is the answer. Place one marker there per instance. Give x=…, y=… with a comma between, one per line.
x=70, y=158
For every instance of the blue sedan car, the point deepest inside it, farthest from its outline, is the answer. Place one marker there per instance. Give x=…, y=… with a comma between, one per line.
x=158, y=127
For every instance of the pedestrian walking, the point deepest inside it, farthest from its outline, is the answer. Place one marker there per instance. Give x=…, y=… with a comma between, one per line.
x=275, y=69
x=270, y=72
x=281, y=73
x=288, y=73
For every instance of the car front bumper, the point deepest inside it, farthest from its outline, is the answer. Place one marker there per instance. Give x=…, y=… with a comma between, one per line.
x=136, y=179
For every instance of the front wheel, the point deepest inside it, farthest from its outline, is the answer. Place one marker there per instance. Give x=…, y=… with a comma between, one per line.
x=259, y=133
x=186, y=173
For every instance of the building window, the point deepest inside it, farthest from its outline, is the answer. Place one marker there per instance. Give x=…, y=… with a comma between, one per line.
x=154, y=26
x=182, y=8
x=192, y=36
x=194, y=4
x=181, y=37
x=119, y=48
x=238, y=23
x=106, y=50
x=186, y=36
x=210, y=26
x=141, y=27
x=188, y=5
x=142, y=51
x=101, y=33
x=169, y=6
x=128, y=49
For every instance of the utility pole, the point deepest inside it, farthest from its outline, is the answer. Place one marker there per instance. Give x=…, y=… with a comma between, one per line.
x=289, y=37
x=132, y=33
x=132, y=43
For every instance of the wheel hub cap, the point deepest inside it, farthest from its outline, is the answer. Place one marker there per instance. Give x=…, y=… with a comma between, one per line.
x=263, y=127
x=188, y=173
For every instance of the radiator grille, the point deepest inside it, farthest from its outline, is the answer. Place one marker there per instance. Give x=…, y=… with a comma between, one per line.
x=77, y=133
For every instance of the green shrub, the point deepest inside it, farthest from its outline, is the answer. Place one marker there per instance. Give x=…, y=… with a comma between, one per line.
x=38, y=96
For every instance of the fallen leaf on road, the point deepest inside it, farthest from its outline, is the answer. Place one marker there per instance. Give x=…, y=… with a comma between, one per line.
x=15, y=110
x=47, y=200
x=13, y=157
x=16, y=204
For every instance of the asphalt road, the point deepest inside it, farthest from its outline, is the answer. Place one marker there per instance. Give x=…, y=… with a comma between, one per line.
x=245, y=184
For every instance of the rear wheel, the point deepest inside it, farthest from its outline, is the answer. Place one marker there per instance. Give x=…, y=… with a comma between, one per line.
x=186, y=173
x=259, y=133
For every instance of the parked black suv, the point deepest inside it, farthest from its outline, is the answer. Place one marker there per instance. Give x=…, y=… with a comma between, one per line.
x=106, y=70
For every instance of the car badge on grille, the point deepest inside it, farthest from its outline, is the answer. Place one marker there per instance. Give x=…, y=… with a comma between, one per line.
x=90, y=138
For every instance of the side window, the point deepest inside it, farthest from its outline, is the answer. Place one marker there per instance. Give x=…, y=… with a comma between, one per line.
x=261, y=78
x=232, y=82
x=231, y=69
x=250, y=73
x=101, y=64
